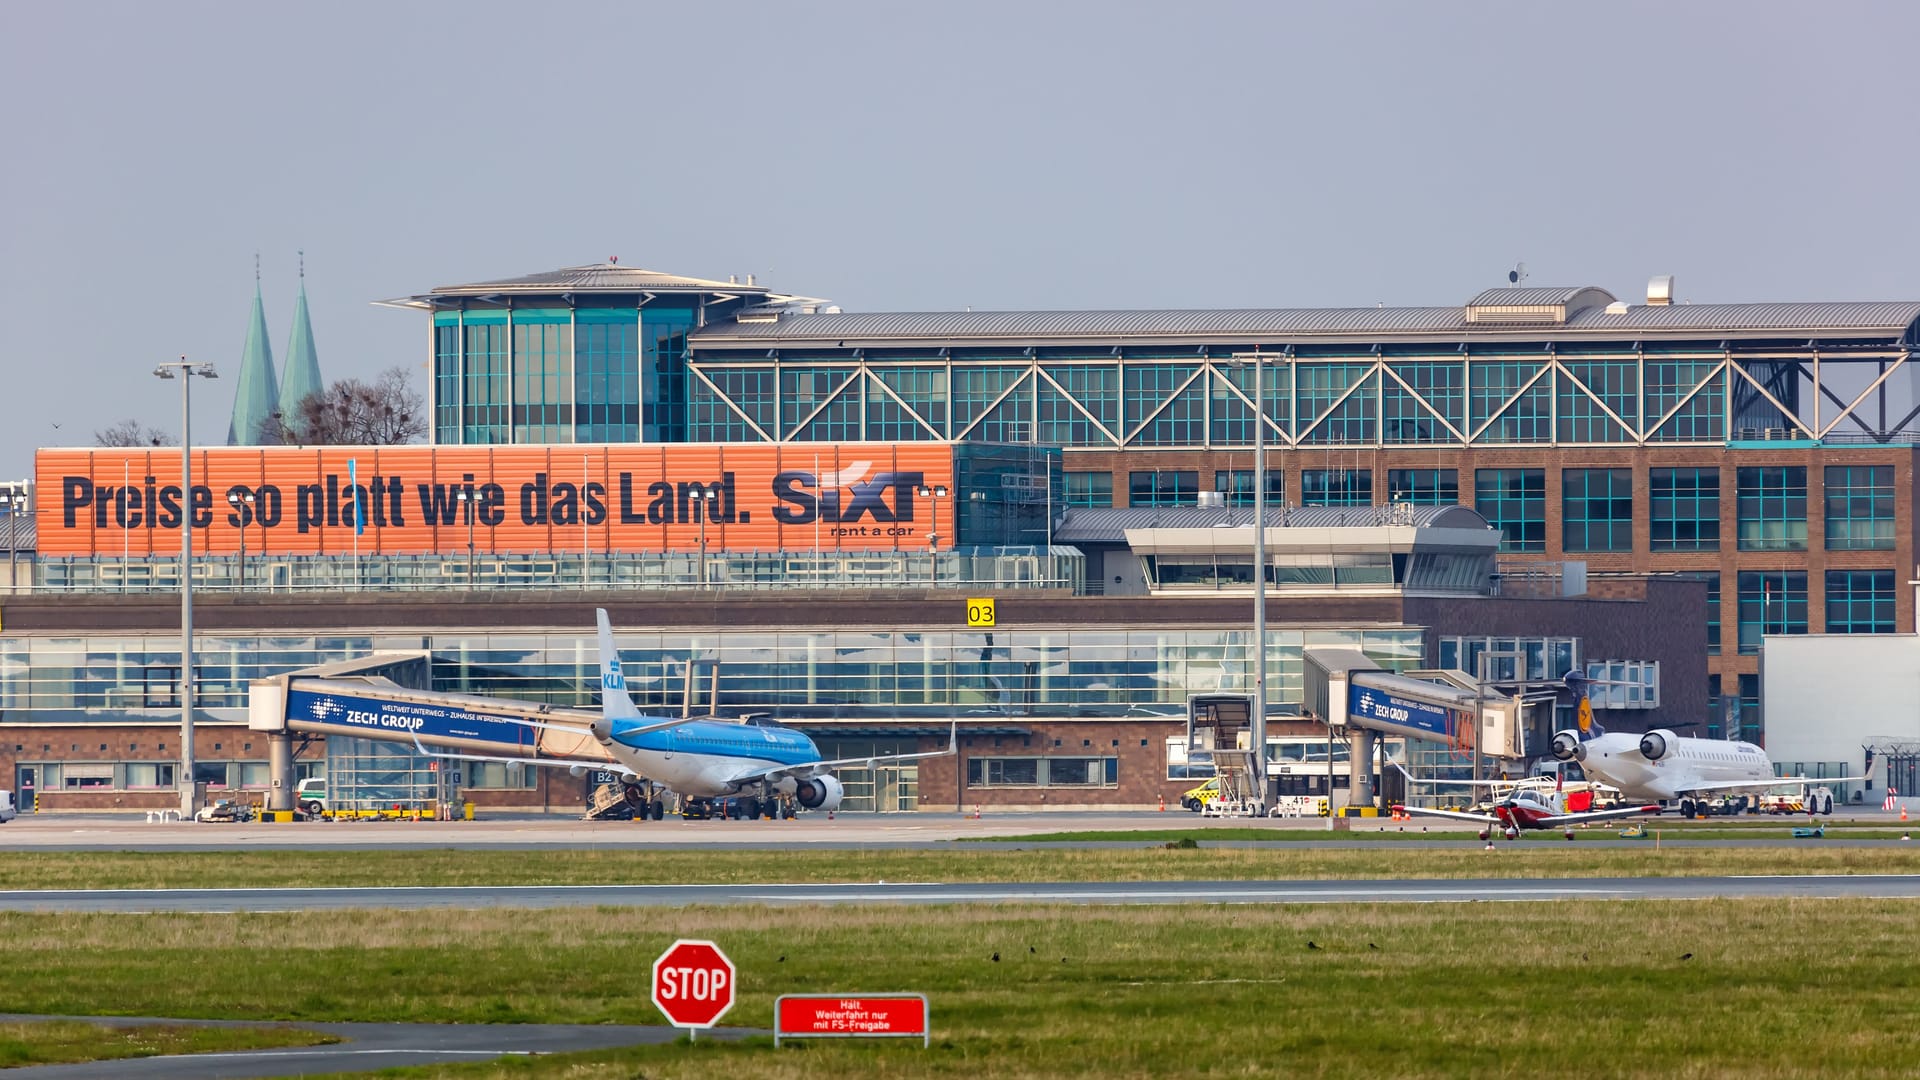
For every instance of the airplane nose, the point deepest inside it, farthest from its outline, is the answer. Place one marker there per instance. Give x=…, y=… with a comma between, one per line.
x=602, y=729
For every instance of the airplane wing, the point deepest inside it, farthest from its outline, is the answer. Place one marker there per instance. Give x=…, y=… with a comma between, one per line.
x=807, y=769
x=1778, y=781
x=1597, y=815
x=1457, y=815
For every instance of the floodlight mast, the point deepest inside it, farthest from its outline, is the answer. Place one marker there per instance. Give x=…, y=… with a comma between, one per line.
x=186, y=370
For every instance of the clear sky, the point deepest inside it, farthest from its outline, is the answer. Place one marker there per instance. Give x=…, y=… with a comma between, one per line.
x=912, y=156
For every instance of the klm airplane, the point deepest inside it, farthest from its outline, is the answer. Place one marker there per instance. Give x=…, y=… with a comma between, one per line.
x=702, y=759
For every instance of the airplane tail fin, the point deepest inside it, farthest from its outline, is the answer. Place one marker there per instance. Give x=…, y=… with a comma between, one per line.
x=614, y=702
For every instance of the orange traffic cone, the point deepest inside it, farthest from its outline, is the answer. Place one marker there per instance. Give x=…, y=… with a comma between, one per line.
x=1163, y=804
x=1903, y=811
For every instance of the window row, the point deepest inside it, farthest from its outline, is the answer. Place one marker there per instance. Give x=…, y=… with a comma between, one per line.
x=1597, y=506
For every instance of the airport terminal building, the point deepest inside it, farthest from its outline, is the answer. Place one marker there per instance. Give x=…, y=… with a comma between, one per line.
x=787, y=506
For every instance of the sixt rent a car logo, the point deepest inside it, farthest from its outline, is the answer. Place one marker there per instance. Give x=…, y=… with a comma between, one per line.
x=845, y=497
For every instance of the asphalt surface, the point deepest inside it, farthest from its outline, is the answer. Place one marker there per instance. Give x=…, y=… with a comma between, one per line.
x=364, y=1047
x=1180, y=892
x=864, y=831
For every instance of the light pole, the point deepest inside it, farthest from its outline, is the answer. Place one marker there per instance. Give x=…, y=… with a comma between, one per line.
x=1257, y=715
x=186, y=370
x=933, y=495
x=13, y=503
x=706, y=500
x=242, y=504
x=466, y=501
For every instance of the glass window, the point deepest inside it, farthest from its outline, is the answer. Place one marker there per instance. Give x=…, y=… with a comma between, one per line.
x=1859, y=601
x=1424, y=487
x=1237, y=484
x=1685, y=509
x=1771, y=602
x=1773, y=508
x=1178, y=487
x=1749, y=727
x=1515, y=502
x=606, y=364
x=1859, y=507
x=1089, y=489
x=1596, y=509
x=1336, y=487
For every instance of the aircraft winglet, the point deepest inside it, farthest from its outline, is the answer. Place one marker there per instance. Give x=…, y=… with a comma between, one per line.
x=614, y=702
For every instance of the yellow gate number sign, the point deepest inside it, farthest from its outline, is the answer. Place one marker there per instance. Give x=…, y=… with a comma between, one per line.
x=980, y=612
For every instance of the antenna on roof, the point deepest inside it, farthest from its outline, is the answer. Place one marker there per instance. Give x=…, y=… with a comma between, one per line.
x=1517, y=275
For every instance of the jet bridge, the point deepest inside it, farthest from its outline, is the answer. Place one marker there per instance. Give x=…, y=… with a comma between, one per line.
x=1361, y=700
x=387, y=696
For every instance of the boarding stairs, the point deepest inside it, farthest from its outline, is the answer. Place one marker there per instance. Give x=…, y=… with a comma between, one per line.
x=607, y=801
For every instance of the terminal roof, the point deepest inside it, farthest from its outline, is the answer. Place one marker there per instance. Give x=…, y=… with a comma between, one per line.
x=1110, y=524
x=1583, y=313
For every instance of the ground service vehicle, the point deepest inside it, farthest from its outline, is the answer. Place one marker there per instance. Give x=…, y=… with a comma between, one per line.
x=311, y=796
x=7, y=810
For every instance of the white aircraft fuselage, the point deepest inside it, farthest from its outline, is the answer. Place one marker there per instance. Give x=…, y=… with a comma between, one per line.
x=1662, y=765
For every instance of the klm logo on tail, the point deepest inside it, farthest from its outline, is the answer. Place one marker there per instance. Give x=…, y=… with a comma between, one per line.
x=611, y=679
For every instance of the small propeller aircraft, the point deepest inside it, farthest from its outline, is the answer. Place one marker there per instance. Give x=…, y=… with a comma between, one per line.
x=1528, y=809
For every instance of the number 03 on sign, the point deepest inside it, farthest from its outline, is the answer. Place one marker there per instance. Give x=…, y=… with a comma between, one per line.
x=980, y=611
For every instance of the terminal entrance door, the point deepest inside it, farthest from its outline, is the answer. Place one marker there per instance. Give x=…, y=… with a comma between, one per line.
x=26, y=782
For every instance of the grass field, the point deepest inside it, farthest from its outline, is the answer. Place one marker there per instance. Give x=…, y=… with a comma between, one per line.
x=53, y=1042
x=1533, y=857
x=1751, y=988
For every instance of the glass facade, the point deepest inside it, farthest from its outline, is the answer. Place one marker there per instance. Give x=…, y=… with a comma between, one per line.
x=1237, y=486
x=1515, y=502
x=1859, y=502
x=1596, y=509
x=606, y=383
x=1089, y=489
x=1860, y=602
x=542, y=376
x=790, y=674
x=1773, y=508
x=1424, y=487
x=1336, y=487
x=1168, y=487
x=1771, y=602
x=1685, y=509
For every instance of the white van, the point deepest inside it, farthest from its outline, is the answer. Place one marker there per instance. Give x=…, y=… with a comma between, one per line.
x=311, y=796
x=7, y=810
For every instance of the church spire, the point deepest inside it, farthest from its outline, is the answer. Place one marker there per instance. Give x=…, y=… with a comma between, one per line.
x=301, y=379
x=256, y=394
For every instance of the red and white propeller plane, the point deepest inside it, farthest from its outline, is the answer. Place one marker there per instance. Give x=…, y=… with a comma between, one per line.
x=1528, y=809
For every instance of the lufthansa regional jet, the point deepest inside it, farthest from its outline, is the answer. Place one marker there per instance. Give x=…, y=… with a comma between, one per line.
x=702, y=759
x=1662, y=765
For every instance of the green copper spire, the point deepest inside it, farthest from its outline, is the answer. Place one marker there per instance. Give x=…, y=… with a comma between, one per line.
x=301, y=379
x=256, y=396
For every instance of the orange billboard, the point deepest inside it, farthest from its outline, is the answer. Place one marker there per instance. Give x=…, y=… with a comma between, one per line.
x=401, y=500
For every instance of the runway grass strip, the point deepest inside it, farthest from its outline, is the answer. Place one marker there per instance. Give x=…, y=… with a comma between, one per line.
x=1534, y=857
x=1748, y=988
x=56, y=1042
x=1391, y=832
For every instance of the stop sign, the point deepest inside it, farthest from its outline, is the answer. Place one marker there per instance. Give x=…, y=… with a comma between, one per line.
x=693, y=983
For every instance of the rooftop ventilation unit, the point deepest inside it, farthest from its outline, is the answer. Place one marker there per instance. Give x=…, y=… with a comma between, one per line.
x=1660, y=290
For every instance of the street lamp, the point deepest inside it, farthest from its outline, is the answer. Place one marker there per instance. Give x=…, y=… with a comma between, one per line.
x=706, y=500
x=13, y=503
x=466, y=500
x=933, y=495
x=186, y=370
x=1257, y=715
x=242, y=503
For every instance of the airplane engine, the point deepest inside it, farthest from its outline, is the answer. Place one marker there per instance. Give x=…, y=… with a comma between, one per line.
x=1568, y=747
x=576, y=771
x=819, y=793
x=1655, y=745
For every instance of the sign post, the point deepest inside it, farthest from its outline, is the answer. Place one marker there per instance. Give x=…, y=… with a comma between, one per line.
x=693, y=984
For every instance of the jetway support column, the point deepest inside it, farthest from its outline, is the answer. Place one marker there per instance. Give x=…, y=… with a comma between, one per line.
x=1360, y=760
x=280, y=771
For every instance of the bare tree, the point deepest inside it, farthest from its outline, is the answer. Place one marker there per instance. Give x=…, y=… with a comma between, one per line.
x=132, y=433
x=384, y=412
